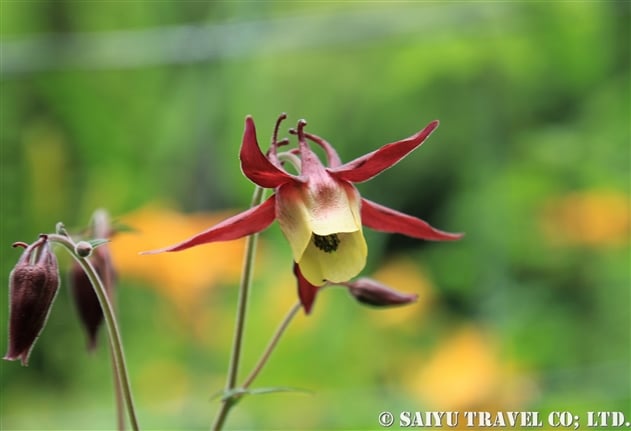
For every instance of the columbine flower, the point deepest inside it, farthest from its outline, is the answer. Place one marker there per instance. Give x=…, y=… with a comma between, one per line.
x=33, y=285
x=319, y=210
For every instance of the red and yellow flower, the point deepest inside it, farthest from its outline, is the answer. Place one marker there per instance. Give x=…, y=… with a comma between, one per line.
x=319, y=209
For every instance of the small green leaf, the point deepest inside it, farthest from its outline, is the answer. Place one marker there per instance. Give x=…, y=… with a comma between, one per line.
x=237, y=393
x=233, y=393
x=271, y=390
x=98, y=242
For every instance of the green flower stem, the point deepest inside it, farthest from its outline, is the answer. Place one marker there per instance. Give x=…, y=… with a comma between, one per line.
x=116, y=343
x=118, y=389
x=272, y=344
x=118, y=395
x=244, y=288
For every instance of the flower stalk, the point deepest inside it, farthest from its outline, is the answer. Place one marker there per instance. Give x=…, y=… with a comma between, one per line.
x=116, y=343
x=272, y=344
x=244, y=289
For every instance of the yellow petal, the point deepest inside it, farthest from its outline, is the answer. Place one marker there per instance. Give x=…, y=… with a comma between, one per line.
x=293, y=217
x=323, y=208
x=319, y=266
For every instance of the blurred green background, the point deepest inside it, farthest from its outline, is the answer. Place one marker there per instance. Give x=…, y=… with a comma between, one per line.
x=138, y=107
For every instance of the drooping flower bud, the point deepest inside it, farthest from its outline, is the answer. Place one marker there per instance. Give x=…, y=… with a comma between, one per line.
x=85, y=298
x=370, y=292
x=86, y=301
x=33, y=285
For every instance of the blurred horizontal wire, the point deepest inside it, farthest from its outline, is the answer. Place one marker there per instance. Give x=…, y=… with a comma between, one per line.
x=181, y=44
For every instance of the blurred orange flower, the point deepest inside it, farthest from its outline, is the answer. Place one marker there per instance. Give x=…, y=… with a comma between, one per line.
x=592, y=218
x=181, y=277
x=466, y=372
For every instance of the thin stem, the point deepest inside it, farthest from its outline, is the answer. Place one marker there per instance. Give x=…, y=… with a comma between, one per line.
x=272, y=344
x=118, y=389
x=118, y=395
x=244, y=288
x=116, y=343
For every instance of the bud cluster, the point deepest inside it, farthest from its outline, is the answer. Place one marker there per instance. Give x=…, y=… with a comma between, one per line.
x=34, y=282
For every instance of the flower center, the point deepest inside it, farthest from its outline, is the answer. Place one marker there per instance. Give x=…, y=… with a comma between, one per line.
x=326, y=243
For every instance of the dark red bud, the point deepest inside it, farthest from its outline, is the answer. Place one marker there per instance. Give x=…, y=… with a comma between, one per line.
x=86, y=301
x=85, y=298
x=33, y=285
x=370, y=292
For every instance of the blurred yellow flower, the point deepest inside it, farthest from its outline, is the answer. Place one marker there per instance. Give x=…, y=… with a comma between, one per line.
x=466, y=372
x=181, y=277
x=592, y=218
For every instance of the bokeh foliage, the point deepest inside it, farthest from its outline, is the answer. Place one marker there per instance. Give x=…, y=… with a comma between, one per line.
x=138, y=107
